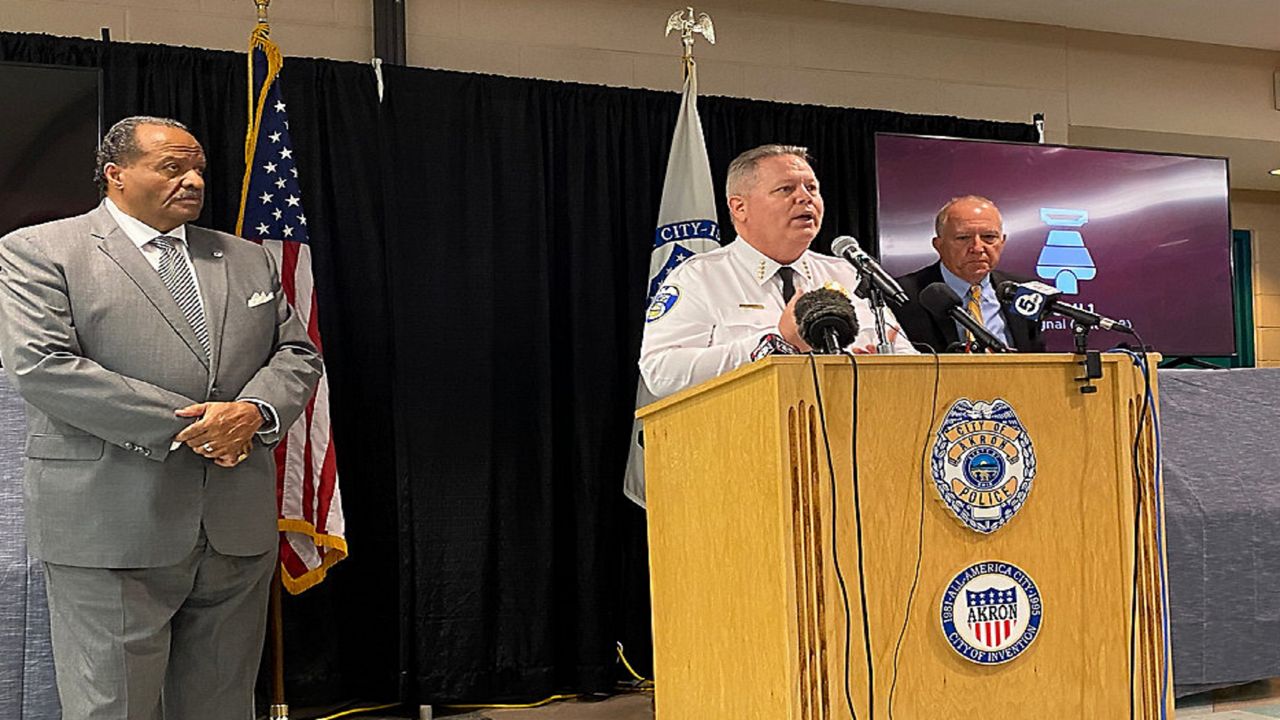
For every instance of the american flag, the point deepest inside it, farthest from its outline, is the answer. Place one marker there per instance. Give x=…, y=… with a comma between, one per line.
x=312, y=529
x=993, y=615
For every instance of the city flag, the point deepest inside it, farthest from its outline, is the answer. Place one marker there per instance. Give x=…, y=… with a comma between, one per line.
x=686, y=225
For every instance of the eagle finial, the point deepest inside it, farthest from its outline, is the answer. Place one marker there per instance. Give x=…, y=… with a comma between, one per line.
x=688, y=23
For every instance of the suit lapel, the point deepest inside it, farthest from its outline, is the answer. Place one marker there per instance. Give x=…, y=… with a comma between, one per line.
x=945, y=327
x=1019, y=328
x=118, y=246
x=1019, y=333
x=211, y=272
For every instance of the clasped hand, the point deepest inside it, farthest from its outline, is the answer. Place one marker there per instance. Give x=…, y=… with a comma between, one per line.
x=224, y=432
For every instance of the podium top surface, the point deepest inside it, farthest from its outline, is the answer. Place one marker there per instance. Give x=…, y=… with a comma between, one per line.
x=951, y=359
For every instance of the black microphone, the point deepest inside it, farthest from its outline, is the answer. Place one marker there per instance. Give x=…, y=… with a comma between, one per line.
x=848, y=248
x=944, y=304
x=826, y=320
x=1033, y=300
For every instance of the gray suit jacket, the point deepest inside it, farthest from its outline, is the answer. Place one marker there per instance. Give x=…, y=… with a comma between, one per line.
x=97, y=346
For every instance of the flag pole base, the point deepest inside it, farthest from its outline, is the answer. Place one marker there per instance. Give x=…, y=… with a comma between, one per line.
x=280, y=712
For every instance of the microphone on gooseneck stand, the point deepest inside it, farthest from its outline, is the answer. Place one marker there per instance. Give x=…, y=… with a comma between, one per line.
x=944, y=304
x=1034, y=300
x=847, y=247
x=826, y=320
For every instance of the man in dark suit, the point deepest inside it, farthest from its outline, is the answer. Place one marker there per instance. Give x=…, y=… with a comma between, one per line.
x=159, y=362
x=969, y=237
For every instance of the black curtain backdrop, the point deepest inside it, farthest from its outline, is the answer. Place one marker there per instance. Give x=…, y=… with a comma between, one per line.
x=481, y=248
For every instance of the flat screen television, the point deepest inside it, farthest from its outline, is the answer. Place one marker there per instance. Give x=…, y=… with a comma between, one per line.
x=1140, y=237
x=50, y=121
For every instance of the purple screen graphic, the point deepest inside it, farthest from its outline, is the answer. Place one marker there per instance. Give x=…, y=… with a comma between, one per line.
x=1144, y=238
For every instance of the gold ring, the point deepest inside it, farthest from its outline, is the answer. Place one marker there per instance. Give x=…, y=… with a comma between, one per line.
x=242, y=457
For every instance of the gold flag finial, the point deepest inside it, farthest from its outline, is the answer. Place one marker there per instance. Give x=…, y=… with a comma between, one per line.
x=689, y=23
x=262, y=10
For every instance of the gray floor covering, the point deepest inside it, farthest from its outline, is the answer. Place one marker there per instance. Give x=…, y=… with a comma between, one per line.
x=1256, y=701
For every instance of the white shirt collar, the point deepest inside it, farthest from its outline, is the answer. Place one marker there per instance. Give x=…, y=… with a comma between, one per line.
x=137, y=231
x=761, y=266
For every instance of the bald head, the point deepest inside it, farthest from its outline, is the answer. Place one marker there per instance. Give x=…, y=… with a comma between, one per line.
x=969, y=237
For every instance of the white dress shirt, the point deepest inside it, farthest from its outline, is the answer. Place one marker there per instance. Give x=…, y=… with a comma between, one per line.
x=720, y=309
x=141, y=235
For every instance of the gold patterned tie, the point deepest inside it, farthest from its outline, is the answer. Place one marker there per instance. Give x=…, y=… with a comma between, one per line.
x=975, y=307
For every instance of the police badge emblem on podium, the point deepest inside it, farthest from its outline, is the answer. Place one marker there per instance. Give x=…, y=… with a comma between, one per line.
x=983, y=463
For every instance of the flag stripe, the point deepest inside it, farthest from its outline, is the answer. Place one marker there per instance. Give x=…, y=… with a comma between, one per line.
x=308, y=491
x=326, y=492
x=289, y=275
x=321, y=440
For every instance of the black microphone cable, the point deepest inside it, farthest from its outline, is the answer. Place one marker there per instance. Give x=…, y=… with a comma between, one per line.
x=1146, y=410
x=835, y=544
x=857, y=526
x=915, y=579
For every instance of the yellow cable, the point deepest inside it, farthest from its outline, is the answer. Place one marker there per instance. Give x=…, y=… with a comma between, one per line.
x=540, y=703
x=630, y=669
x=354, y=711
x=507, y=706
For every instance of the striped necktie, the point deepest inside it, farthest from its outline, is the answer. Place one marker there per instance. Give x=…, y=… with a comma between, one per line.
x=177, y=276
x=975, y=307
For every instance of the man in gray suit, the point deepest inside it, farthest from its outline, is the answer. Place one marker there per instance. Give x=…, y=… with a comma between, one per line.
x=159, y=362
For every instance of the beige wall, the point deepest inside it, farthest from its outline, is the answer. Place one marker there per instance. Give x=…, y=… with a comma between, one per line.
x=341, y=29
x=837, y=54
x=1095, y=88
x=809, y=51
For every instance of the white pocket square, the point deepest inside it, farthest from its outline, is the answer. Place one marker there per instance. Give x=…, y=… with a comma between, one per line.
x=260, y=297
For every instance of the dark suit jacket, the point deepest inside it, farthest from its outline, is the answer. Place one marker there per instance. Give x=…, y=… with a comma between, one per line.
x=923, y=328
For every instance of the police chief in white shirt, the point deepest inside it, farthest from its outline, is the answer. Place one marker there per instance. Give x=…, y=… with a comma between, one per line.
x=724, y=308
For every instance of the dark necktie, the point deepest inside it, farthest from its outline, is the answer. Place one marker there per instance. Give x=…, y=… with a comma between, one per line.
x=176, y=275
x=788, y=276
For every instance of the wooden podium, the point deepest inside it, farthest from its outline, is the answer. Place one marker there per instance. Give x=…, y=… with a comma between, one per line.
x=749, y=616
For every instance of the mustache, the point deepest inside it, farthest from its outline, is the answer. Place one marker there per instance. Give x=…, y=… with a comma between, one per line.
x=189, y=195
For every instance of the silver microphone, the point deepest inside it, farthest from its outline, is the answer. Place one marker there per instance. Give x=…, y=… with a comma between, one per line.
x=847, y=247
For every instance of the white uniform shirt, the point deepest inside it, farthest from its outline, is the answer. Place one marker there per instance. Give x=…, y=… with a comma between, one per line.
x=720, y=309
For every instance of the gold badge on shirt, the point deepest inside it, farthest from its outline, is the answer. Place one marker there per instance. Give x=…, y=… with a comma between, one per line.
x=833, y=285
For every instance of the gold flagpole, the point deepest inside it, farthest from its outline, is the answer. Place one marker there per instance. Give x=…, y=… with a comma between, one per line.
x=688, y=23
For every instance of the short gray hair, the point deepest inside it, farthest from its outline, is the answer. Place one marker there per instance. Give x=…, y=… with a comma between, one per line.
x=940, y=221
x=742, y=171
x=120, y=144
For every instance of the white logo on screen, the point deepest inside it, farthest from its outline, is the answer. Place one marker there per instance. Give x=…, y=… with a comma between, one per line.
x=1028, y=305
